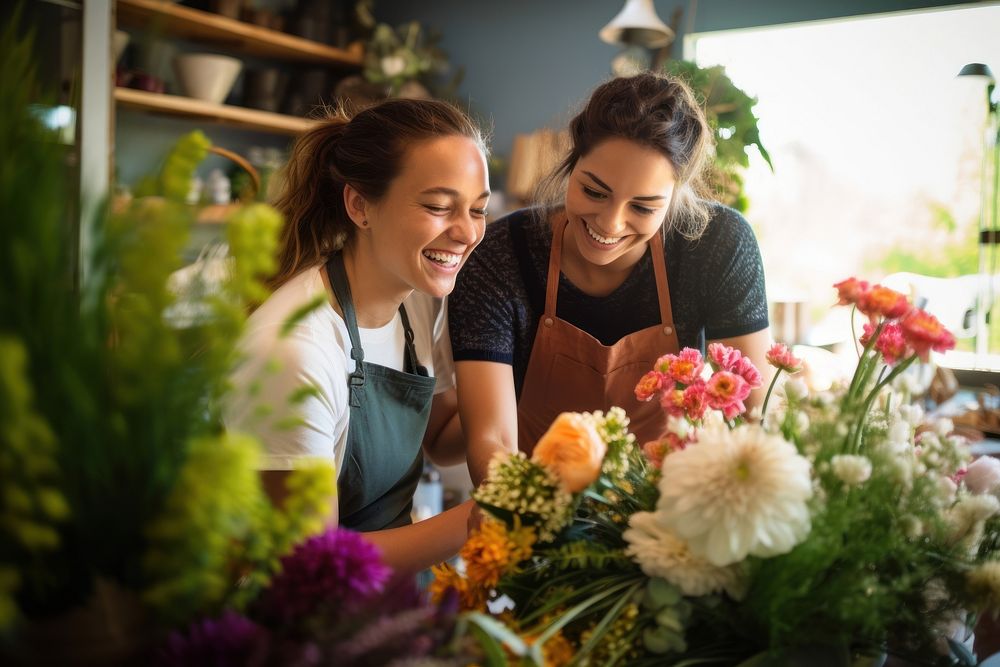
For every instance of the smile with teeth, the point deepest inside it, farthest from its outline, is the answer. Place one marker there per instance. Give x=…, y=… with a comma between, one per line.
x=446, y=259
x=606, y=240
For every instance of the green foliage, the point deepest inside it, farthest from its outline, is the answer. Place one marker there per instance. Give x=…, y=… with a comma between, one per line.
x=958, y=255
x=113, y=460
x=729, y=112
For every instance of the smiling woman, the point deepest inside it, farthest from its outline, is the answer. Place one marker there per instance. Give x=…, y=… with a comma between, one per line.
x=563, y=308
x=345, y=360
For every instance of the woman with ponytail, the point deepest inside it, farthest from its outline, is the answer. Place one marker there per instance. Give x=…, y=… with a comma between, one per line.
x=381, y=211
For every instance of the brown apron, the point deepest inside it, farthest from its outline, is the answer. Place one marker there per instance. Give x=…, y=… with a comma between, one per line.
x=571, y=371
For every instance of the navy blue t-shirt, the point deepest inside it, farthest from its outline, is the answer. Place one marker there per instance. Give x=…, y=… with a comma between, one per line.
x=716, y=291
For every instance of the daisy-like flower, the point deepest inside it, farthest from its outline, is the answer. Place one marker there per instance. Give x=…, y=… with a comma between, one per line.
x=850, y=291
x=851, y=470
x=782, y=358
x=660, y=553
x=880, y=301
x=924, y=333
x=726, y=391
x=736, y=493
x=650, y=385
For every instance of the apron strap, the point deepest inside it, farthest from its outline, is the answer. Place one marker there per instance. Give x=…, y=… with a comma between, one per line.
x=412, y=363
x=337, y=274
x=659, y=271
x=555, y=256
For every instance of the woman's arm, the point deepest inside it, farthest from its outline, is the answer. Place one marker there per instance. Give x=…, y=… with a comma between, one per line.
x=754, y=346
x=444, y=442
x=407, y=549
x=488, y=409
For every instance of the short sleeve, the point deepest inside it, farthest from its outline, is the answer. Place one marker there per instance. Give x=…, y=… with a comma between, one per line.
x=289, y=397
x=481, y=308
x=737, y=294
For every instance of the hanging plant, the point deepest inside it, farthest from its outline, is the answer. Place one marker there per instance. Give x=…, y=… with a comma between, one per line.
x=729, y=111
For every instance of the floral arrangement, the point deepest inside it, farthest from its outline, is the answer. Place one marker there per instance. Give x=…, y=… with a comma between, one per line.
x=334, y=602
x=402, y=57
x=836, y=524
x=119, y=484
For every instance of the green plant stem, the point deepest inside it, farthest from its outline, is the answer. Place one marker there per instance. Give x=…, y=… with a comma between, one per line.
x=767, y=396
x=857, y=382
x=870, y=399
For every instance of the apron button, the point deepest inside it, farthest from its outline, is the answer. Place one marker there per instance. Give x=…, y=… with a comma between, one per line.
x=668, y=330
x=548, y=321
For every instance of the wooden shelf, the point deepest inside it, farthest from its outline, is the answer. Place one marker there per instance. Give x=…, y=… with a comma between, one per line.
x=175, y=105
x=231, y=35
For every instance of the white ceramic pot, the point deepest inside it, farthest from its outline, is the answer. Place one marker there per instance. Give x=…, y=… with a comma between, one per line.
x=206, y=76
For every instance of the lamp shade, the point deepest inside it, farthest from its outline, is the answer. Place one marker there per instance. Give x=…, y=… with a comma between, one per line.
x=977, y=69
x=637, y=24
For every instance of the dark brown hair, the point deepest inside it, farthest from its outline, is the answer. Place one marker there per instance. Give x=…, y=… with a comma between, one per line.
x=365, y=151
x=653, y=110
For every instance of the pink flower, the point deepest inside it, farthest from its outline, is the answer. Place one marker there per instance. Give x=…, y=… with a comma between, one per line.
x=891, y=343
x=726, y=391
x=923, y=332
x=672, y=402
x=657, y=450
x=782, y=358
x=695, y=402
x=881, y=301
x=649, y=385
x=850, y=291
x=723, y=357
x=686, y=367
x=662, y=364
x=983, y=475
x=746, y=369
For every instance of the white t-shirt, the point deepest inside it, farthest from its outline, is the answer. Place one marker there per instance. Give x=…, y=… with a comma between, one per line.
x=316, y=354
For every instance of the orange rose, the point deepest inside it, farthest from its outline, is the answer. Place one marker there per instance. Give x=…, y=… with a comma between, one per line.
x=572, y=449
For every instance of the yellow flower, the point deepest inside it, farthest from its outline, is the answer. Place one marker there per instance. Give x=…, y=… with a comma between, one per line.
x=573, y=450
x=493, y=550
x=446, y=577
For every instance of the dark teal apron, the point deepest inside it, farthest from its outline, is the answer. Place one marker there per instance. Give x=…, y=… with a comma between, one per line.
x=389, y=412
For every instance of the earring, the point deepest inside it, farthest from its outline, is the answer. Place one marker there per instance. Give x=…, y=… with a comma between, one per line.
x=364, y=223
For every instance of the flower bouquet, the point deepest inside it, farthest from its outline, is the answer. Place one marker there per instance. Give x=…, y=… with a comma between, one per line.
x=835, y=525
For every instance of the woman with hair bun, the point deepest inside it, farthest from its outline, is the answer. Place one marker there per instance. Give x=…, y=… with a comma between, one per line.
x=381, y=211
x=565, y=306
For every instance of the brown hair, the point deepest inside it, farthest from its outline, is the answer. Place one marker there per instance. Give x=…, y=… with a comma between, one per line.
x=653, y=110
x=365, y=151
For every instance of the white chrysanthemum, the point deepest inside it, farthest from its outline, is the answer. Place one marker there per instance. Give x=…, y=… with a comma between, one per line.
x=943, y=427
x=983, y=475
x=795, y=389
x=660, y=553
x=850, y=469
x=910, y=413
x=736, y=493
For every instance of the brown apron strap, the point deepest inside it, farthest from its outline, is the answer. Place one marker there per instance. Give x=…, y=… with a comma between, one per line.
x=662, y=286
x=555, y=255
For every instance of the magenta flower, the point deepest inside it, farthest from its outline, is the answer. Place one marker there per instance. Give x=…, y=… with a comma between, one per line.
x=746, y=370
x=228, y=641
x=686, y=367
x=891, y=343
x=336, y=569
x=723, y=357
x=672, y=402
x=850, y=291
x=782, y=358
x=695, y=402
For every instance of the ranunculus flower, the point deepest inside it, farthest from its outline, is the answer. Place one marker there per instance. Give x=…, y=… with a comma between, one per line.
x=881, y=301
x=726, y=391
x=695, y=403
x=723, y=357
x=746, y=370
x=686, y=367
x=573, y=450
x=924, y=333
x=672, y=402
x=850, y=290
x=649, y=385
x=782, y=358
x=663, y=363
x=657, y=450
x=891, y=343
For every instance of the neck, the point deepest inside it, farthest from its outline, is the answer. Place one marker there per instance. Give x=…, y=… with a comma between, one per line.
x=376, y=293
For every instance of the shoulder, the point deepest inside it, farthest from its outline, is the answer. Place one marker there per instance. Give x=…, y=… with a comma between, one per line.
x=726, y=235
x=727, y=223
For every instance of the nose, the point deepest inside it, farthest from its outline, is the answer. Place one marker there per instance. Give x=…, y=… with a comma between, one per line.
x=613, y=220
x=467, y=229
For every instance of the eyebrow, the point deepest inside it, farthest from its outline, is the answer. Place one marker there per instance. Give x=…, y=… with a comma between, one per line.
x=450, y=192
x=608, y=188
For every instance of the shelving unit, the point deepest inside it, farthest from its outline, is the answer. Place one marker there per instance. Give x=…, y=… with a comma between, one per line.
x=176, y=105
x=233, y=36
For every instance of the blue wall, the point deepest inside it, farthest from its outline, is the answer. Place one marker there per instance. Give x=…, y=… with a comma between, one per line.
x=529, y=63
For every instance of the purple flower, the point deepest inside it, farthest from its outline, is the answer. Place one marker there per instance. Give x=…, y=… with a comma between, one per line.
x=230, y=640
x=338, y=569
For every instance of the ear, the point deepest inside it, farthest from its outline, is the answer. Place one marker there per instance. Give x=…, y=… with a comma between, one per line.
x=356, y=206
